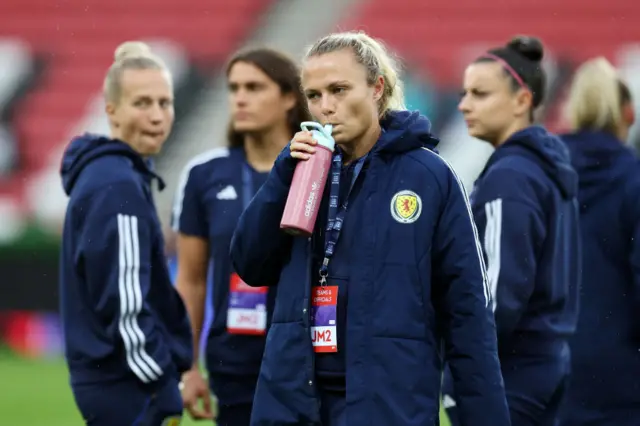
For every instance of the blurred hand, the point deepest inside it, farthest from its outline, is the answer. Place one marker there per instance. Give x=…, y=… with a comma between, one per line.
x=302, y=145
x=195, y=389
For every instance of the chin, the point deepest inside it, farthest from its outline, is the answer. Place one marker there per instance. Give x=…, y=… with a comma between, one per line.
x=246, y=127
x=476, y=134
x=151, y=149
x=341, y=138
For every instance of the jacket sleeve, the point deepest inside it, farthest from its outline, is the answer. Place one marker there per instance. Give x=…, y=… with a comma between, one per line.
x=633, y=213
x=258, y=247
x=115, y=248
x=462, y=304
x=511, y=226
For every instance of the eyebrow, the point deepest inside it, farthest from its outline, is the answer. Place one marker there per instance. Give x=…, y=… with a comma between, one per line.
x=332, y=85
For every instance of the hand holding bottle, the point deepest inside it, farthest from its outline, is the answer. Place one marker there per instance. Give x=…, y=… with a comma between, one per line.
x=303, y=145
x=309, y=178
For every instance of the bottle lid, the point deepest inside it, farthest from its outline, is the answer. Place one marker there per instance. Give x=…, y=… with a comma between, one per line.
x=321, y=134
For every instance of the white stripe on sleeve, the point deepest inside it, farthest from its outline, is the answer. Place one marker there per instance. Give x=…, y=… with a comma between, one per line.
x=131, y=301
x=492, y=237
x=483, y=269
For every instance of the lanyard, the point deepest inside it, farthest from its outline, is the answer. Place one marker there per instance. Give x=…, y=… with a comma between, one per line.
x=247, y=185
x=337, y=213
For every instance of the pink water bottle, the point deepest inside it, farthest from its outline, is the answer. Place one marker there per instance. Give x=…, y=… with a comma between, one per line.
x=309, y=180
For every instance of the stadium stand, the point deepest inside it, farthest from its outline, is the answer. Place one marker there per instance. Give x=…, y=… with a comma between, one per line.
x=78, y=37
x=17, y=67
x=431, y=33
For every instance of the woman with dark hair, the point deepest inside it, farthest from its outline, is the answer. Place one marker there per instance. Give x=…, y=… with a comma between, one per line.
x=525, y=206
x=267, y=108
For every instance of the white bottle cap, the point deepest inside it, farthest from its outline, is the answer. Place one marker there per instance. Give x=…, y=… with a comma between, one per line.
x=321, y=134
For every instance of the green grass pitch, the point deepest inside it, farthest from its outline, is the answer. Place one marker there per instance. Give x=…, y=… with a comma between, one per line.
x=35, y=392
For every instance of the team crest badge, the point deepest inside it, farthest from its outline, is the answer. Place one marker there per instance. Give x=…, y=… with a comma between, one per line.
x=406, y=206
x=172, y=421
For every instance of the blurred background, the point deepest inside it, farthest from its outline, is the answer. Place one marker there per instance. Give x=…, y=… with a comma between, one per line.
x=53, y=58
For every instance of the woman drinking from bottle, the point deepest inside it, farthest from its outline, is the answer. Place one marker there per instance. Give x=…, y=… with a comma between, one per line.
x=395, y=249
x=525, y=206
x=266, y=108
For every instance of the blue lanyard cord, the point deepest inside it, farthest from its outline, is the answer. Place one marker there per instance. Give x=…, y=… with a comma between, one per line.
x=247, y=186
x=337, y=213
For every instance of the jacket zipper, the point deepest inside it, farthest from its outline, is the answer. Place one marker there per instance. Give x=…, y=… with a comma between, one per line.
x=309, y=292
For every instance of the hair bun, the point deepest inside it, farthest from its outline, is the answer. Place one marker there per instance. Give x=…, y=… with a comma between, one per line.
x=132, y=49
x=529, y=47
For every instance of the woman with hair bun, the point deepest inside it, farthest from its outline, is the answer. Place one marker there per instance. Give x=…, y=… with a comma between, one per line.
x=404, y=269
x=126, y=330
x=524, y=203
x=605, y=367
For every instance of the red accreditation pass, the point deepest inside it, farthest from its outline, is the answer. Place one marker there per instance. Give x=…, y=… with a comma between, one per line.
x=247, y=313
x=324, y=304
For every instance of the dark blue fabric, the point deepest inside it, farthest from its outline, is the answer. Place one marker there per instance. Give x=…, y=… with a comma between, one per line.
x=333, y=408
x=339, y=191
x=536, y=271
x=128, y=403
x=330, y=367
x=416, y=293
x=121, y=316
x=605, y=383
x=533, y=400
x=525, y=206
x=236, y=414
x=214, y=189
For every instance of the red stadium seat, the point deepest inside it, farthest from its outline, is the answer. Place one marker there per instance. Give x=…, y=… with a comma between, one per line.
x=77, y=39
x=432, y=33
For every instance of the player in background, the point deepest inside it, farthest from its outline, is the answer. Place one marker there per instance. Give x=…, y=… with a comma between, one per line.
x=407, y=269
x=605, y=373
x=525, y=206
x=126, y=330
x=267, y=107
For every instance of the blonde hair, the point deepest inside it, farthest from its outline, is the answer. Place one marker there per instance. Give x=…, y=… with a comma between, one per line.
x=130, y=55
x=373, y=55
x=595, y=99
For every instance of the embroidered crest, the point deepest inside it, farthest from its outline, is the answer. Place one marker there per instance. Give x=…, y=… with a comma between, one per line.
x=406, y=206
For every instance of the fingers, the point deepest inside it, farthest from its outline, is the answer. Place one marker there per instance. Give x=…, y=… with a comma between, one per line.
x=192, y=396
x=206, y=405
x=197, y=414
x=303, y=145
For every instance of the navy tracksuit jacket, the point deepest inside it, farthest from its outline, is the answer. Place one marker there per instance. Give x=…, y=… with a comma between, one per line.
x=525, y=206
x=411, y=268
x=605, y=381
x=127, y=335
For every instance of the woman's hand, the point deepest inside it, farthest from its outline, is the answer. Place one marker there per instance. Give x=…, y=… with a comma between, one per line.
x=303, y=145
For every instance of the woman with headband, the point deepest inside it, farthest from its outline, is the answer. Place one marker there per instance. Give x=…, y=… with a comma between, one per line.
x=524, y=204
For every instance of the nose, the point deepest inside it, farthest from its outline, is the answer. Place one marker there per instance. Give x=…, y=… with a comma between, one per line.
x=463, y=105
x=327, y=106
x=156, y=114
x=240, y=97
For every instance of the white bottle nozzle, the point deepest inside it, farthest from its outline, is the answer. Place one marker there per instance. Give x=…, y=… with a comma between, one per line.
x=312, y=125
x=322, y=135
